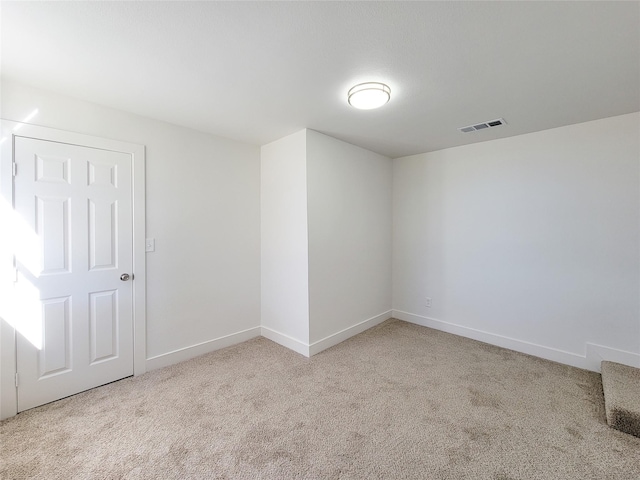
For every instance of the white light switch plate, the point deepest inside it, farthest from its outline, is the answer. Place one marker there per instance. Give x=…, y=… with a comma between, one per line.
x=150, y=245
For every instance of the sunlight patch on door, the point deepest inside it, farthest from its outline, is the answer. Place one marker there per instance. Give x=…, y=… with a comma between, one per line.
x=20, y=305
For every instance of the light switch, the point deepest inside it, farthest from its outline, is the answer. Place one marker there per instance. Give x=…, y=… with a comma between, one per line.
x=150, y=245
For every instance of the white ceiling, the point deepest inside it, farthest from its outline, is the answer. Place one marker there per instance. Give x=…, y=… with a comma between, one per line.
x=256, y=72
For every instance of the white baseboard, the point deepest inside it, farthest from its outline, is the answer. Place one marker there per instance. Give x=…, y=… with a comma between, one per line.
x=342, y=335
x=560, y=356
x=193, y=351
x=316, y=347
x=286, y=341
x=595, y=354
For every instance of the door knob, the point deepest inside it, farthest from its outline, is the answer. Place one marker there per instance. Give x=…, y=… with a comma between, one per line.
x=124, y=277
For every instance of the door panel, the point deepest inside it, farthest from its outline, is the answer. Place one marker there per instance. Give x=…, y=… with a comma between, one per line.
x=102, y=234
x=104, y=325
x=52, y=226
x=77, y=202
x=55, y=355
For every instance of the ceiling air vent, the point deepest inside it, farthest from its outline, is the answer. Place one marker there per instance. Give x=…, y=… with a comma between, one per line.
x=482, y=126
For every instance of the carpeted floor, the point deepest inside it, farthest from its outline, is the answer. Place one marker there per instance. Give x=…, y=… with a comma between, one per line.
x=621, y=385
x=398, y=401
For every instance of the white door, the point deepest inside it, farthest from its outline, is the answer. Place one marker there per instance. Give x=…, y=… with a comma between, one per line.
x=76, y=328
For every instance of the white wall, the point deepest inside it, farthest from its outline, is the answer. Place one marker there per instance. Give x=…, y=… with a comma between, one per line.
x=349, y=208
x=531, y=242
x=326, y=240
x=203, y=208
x=284, y=257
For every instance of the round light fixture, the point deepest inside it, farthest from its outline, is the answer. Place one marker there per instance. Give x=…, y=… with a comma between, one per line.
x=366, y=96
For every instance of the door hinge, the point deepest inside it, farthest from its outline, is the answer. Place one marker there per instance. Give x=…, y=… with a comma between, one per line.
x=17, y=382
x=14, y=169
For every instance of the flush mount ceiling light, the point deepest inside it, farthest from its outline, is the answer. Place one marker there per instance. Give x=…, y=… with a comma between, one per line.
x=366, y=96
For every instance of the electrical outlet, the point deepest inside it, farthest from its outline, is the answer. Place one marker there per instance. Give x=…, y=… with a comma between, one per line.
x=427, y=302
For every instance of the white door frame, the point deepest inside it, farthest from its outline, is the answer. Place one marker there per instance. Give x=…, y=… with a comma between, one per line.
x=10, y=130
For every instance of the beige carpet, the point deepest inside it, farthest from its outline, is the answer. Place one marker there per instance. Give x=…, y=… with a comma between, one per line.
x=621, y=385
x=398, y=401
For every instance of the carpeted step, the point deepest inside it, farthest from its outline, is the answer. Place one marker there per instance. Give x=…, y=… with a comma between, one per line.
x=621, y=385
